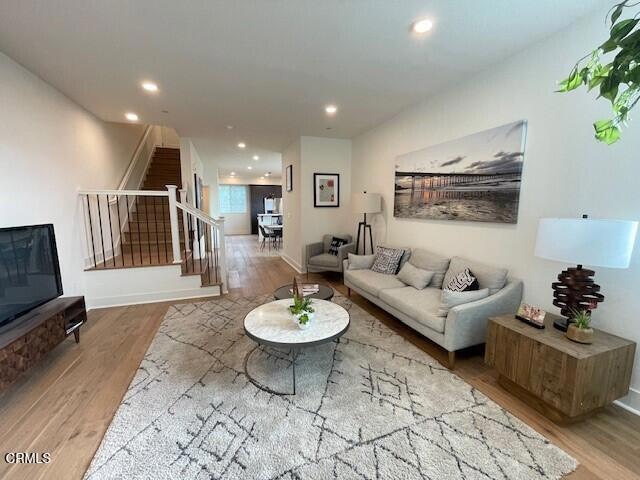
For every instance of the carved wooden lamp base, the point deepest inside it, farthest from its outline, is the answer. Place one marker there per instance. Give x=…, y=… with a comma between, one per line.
x=575, y=291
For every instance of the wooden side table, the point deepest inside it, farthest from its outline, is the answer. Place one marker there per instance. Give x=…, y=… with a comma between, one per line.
x=564, y=380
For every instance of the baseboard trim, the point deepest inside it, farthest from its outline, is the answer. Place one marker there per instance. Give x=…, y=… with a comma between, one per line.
x=155, y=297
x=292, y=263
x=631, y=402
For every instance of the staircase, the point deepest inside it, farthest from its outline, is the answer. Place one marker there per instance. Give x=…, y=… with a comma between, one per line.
x=164, y=169
x=146, y=237
x=143, y=224
x=147, y=222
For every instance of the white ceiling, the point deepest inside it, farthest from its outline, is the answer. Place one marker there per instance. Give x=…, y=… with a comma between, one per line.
x=223, y=152
x=267, y=67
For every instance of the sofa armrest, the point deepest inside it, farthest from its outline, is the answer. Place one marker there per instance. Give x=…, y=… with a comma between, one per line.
x=312, y=250
x=466, y=324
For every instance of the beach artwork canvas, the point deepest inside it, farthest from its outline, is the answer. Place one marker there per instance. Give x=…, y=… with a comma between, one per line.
x=474, y=178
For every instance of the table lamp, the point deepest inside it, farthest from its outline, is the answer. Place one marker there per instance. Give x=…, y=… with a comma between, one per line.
x=365, y=203
x=585, y=241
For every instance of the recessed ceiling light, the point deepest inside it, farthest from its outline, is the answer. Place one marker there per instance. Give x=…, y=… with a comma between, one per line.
x=150, y=86
x=233, y=173
x=229, y=127
x=331, y=109
x=250, y=167
x=256, y=157
x=261, y=178
x=267, y=174
x=422, y=26
x=242, y=145
x=132, y=117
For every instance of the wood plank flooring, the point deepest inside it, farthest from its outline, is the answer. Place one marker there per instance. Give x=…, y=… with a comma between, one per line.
x=65, y=405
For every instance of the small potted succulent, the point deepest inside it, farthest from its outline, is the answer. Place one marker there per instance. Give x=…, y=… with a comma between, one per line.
x=302, y=311
x=579, y=329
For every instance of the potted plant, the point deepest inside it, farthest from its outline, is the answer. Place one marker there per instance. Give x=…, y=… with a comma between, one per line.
x=579, y=329
x=302, y=311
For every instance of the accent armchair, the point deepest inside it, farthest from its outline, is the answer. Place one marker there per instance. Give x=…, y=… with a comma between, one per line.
x=318, y=258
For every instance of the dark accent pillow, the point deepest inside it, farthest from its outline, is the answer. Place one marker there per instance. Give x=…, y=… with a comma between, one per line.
x=387, y=260
x=464, y=281
x=336, y=243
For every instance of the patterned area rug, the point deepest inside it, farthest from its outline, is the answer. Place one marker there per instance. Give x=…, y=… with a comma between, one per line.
x=370, y=406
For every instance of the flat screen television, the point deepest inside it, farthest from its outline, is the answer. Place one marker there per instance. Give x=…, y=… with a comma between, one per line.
x=29, y=270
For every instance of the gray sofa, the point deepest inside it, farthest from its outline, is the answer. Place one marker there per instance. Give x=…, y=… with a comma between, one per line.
x=464, y=325
x=318, y=258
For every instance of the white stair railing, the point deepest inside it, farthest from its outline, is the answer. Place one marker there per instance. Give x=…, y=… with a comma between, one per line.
x=131, y=228
x=204, y=242
x=125, y=228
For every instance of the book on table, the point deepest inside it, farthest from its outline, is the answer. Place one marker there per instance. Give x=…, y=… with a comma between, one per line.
x=307, y=289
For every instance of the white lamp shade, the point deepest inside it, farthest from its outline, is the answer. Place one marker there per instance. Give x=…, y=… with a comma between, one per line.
x=585, y=241
x=366, y=202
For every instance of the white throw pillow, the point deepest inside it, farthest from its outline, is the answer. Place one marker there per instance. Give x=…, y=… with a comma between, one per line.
x=450, y=299
x=414, y=276
x=361, y=262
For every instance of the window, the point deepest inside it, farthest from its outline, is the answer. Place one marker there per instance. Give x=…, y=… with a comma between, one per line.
x=233, y=198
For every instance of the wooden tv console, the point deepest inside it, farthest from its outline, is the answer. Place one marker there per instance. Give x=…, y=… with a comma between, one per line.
x=24, y=342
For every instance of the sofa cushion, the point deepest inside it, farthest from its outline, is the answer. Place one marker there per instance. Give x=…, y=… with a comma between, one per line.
x=463, y=281
x=433, y=262
x=421, y=305
x=405, y=256
x=387, y=260
x=360, y=262
x=452, y=298
x=488, y=277
x=327, y=239
x=336, y=243
x=324, y=260
x=414, y=277
x=372, y=282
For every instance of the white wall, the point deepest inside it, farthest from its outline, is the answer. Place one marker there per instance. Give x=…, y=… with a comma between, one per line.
x=304, y=223
x=49, y=148
x=566, y=172
x=291, y=205
x=325, y=155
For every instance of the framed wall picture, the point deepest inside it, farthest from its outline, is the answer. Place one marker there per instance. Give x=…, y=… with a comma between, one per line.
x=531, y=314
x=326, y=190
x=197, y=185
x=474, y=178
x=289, y=178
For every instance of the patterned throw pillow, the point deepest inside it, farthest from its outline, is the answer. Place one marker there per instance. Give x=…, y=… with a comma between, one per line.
x=463, y=281
x=335, y=244
x=387, y=260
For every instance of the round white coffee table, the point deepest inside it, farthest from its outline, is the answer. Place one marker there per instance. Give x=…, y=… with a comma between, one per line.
x=271, y=324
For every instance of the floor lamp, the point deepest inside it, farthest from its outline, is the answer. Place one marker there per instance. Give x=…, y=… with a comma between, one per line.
x=365, y=203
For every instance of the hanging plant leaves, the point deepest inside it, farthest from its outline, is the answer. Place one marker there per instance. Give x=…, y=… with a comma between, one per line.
x=609, y=87
x=617, y=81
x=616, y=13
x=622, y=29
x=606, y=131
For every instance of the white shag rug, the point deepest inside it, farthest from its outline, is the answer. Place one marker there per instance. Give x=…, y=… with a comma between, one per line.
x=371, y=406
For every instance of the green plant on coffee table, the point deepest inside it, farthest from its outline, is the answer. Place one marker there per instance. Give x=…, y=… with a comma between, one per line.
x=581, y=318
x=300, y=306
x=618, y=80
